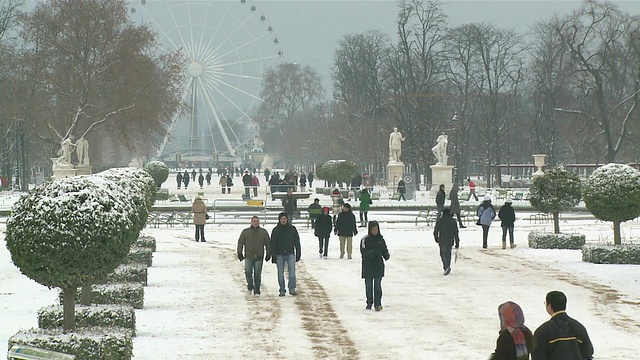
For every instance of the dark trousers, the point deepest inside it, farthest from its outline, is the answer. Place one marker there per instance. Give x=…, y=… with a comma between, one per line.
x=445, y=255
x=200, y=232
x=485, y=235
x=224, y=190
x=364, y=217
x=255, y=191
x=373, y=289
x=323, y=245
x=439, y=208
x=459, y=220
x=472, y=193
x=401, y=196
x=504, y=234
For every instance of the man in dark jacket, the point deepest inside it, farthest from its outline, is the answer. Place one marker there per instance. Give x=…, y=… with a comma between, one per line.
x=346, y=228
x=323, y=231
x=441, y=196
x=246, y=181
x=255, y=242
x=507, y=219
x=290, y=204
x=446, y=234
x=285, y=248
x=314, y=211
x=561, y=338
x=402, y=189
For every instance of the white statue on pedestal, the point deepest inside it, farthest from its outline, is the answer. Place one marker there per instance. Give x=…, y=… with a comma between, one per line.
x=267, y=162
x=395, y=145
x=65, y=150
x=440, y=150
x=257, y=144
x=82, y=150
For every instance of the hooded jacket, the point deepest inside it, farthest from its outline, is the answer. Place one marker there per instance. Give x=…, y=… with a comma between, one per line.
x=486, y=213
x=346, y=224
x=323, y=224
x=446, y=230
x=507, y=216
x=374, y=252
x=285, y=239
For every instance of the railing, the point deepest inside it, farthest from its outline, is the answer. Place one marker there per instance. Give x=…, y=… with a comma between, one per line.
x=262, y=204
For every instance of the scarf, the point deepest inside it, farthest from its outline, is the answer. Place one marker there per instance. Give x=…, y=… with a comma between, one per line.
x=512, y=320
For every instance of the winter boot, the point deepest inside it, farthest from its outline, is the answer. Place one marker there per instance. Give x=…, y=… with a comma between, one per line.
x=504, y=244
x=512, y=245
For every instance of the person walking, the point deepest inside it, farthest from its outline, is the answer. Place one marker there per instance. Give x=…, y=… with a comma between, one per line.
x=310, y=180
x=336, y=203
x=323, y=231
x=314, y=211
x=179, y=179
x=507, y=219
x=561, y=337
x=402, y=189
x=374, y=253
x=223, y=183
x=365, y=204
x=253, y=244
x=486, y=213
x=289, y=203
x=455, y=204
x=285, y=249
x=185, y=179
x=345, y=229
x=441, y=197
x=515, y=340
x=246, y=181
x=193, y=175
x=229, y=183
x=200, y=216
x=255, y=183
x=446, y=235
x=303, y=182
x=208, y=178
x=201, y=180
x=267, y=175
x=472, y=190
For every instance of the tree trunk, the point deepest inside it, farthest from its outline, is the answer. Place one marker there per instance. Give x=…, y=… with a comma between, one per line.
x=556, y=223
x=616, y=233
x=69, y=308
x=85, y=298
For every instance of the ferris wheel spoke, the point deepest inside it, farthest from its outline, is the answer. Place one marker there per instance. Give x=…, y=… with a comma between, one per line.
x=232, y=103
x=261, y=58
x=184, y=43
x=164, y=33
x=236, y=89
x=239, y=75
x=226, y=12
x=200, y=47
x=175, y=117
x=193, y=43
x=241, y=25
x=243, y=45
x=210, y=102
x=209, y=116
x=235, y=136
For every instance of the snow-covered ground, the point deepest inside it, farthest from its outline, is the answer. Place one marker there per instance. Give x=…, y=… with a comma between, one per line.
x=196, y=305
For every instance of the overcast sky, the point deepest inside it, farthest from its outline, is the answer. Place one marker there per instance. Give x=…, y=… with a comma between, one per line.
x=309, y=31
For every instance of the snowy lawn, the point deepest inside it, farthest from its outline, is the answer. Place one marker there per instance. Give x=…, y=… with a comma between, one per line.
x=196, y=305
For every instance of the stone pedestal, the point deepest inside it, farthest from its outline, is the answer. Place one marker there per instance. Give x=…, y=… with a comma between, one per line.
x=441, y=174
x=61, y=171
x=539, y=162
x=395, y=170
x=83, y=170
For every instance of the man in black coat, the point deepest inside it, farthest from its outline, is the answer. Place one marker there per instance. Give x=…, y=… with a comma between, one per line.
x=561, y=338
x=446, y=234
x=441, y=196
x=323, y=227
x=507, y=218
x=402, y=189
x=346, y=228
x=290, y=204
x=246, y=181
x=285, y=248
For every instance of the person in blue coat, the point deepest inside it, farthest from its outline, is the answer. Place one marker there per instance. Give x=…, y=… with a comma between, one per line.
x=374, y=253
x=486, y=213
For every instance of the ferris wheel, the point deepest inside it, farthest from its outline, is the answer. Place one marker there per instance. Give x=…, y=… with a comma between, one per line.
x=228, y=46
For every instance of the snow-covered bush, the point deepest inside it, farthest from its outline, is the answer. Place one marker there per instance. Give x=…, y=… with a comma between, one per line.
x=116, y=294
x=140, y=255
x=612, y=254
x=147, y=242
x=612, y=193
x=127, y=273
x=547, y=240
x=51, y=317
x=556, y=191
x=158, y=171
x=70, y=232
x=341, y=171
x=86, y=344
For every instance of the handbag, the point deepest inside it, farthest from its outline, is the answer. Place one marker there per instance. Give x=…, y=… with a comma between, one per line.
x=206, y=216
x=478, y=222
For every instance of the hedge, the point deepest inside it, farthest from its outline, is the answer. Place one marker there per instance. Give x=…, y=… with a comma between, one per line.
x=118, y=294
x=612, y=254
x=86, y=344
x=547, y=240
x=140, y=255
x=145, y=241
x=51, y=317
x=128, y=273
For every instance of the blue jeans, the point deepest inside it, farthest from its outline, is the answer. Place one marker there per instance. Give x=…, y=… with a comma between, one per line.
x=373, y=289
x=291, y=269
x=504, y=234
x=253, y=273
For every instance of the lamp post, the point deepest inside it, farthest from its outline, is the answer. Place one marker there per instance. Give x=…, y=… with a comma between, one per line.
x=455, y=120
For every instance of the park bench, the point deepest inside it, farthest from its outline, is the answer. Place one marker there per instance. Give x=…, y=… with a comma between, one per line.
x=539, y=218
x=183, y=198
x=184, y=218
x=375, y=195
x=168, y=219
x=23, y=352
x=466, y=216
x=428, y=215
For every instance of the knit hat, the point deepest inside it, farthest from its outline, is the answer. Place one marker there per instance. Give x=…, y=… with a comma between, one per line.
x=325, y=210
x=283, y=214
x=487, y=197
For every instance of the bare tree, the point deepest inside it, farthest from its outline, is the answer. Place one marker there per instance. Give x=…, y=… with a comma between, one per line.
x=9, y=13
x=604, y=45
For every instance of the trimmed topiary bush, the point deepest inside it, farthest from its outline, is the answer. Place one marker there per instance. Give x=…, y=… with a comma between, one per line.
x=128, y=273
x=69, y=233
x=158, y=171
x=51, y=317
x=116, y=294
x=86, y=344
x=146, y=242
x=555, y=191
x=612, y=254
x=140, y=255
x=612, y=193
x=545, y=240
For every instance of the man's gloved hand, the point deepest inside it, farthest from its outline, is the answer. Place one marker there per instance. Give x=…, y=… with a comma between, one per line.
x=267, y=258
x=297, y=257
x=240, y=257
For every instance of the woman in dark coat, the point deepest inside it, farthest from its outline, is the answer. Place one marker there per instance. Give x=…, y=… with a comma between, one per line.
x=374, y=252
x=515, y=340
x=455, y=204
x=323, y=227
